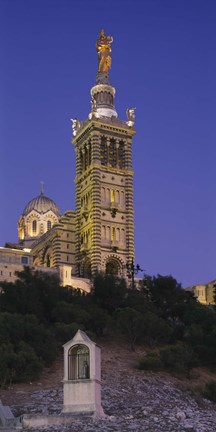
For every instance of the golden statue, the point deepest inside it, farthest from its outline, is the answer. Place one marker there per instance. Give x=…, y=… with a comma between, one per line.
x=104, y=50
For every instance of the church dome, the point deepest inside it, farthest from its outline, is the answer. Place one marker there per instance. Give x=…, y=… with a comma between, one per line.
x=41, y=204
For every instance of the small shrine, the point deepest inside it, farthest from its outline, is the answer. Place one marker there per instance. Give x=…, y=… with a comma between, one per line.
x=82, y=376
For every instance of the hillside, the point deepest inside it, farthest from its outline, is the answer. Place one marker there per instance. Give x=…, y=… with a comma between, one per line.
x=133, y=400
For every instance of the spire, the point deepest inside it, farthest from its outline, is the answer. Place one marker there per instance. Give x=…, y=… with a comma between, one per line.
x=42, y=187
x=102, y=94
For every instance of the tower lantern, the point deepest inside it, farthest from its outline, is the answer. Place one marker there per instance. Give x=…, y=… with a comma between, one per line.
x=104, y=178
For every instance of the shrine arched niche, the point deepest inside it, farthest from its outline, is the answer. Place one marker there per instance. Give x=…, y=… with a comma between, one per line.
x=78, y=362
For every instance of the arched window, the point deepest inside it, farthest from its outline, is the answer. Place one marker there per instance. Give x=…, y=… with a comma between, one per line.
x=121, y=160
x=90, y=156
x=34, y=226
x=103, y=232
x=103, y=151
x=112, y=153
x=103, y=197
x=81, y=159
x=123, y=236
x=78, y=363
x=112, y=196
x=122, y=199
x=112, y=267
x=85, y=158
x=108, y=233
x=49, y=225
x=108, y=195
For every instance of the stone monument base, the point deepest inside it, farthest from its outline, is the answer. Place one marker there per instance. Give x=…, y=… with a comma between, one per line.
x=35, y=421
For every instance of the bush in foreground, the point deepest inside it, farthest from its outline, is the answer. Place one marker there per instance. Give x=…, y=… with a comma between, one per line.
x=175, y=358
x=209, y=391
x=151, y=362
x=178, y=358
x=18, y=364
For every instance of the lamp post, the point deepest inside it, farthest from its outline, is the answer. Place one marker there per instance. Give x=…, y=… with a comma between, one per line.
x=132, y=270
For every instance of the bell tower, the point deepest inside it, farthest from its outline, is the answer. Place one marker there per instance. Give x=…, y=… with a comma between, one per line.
x=104, y=178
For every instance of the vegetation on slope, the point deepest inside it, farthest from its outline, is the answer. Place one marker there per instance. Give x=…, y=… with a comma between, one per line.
x=37, y=316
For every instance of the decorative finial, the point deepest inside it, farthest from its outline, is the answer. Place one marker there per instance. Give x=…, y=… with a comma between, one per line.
x=75, y=126
x=42, y=187
x=103, y=49
x=131, y=116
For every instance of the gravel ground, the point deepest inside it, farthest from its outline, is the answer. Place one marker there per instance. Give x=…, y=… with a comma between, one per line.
x=132, y=400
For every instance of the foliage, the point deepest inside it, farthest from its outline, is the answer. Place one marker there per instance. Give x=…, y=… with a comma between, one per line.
x=68, y=312
x=156, y=330
x=151, y=362
x=166, y=293
x=18, y=364
x=178, y=358
x=130, y=323
x=209, y=391
x=98, y=320
x=37, y=316
x=32, y=293
x=201, y=335
x=108, y=291
x=15, y=328
x=65, y=332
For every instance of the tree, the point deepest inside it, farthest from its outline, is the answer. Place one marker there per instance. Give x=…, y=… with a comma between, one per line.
x=156, y=329
x=16, y=328
x=108, y=291
x=34, y=293
x=98, y=320
x=131, y=324
x=167, y=295
x=178, y=358
x=18, y=364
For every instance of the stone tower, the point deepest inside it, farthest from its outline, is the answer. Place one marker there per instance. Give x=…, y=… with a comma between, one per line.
x=104, y=178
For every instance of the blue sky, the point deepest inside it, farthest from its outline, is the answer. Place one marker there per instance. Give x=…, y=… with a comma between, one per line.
x=164, y=64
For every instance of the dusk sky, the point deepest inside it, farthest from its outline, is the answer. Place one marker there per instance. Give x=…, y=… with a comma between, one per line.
x=164, y=64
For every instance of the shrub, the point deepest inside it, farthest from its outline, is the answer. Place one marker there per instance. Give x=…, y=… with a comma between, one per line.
x=98, y=320
x=108, y=291
x=130, y=323
x=63, y=312
x=178, y=358
x=18, y=364
x=209, y=391
x=156, y=330
x=7, y=361
x=150, y=362
x=40, y=338
x=65, y=332
x=28, y=366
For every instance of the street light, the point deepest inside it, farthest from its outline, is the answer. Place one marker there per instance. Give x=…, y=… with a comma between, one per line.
x=132, y=270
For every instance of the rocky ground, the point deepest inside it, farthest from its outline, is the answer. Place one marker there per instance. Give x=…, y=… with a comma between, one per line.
x=133, y=400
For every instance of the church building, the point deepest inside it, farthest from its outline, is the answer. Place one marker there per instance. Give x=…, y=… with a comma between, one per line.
x=99, y=234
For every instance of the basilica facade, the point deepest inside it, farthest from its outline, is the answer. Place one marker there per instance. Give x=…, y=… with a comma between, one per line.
x=99, y=234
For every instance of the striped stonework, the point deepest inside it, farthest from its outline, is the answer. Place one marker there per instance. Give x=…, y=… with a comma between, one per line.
x=57, y=246
x=104, y=195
